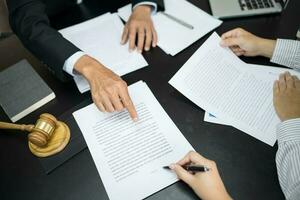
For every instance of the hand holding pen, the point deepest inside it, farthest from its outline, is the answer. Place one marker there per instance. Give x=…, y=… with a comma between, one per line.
x=207, y=184
x=192, y=168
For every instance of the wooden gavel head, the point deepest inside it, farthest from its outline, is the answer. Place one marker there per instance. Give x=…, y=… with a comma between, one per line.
x=47, y=137
x=43, y=130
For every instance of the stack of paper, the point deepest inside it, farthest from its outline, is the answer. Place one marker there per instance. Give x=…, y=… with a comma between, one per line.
x=173, y=37
x=216, y=80
x=100, y=38
x=130, y=155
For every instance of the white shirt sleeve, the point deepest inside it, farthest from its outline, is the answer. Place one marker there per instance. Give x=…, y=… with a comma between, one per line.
x=154, y=6
x=288, y=158
x=70, y=62
x=287, y=53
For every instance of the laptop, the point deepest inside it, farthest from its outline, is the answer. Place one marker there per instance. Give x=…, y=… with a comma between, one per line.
x=242, y=8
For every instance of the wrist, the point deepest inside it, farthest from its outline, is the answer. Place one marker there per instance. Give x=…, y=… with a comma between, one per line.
x=86, y=66
x=145, y=9
x=223, y=195
x=287, y=118
x=227, y=196
x=266, y=47
x=217, y=195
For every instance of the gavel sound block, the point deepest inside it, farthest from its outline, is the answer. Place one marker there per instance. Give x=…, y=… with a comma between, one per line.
x=47, y=137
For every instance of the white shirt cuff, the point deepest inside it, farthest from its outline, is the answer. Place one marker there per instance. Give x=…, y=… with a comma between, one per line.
x=149, y=3
x=287, y=53
x=288, y=130
x=70, y=62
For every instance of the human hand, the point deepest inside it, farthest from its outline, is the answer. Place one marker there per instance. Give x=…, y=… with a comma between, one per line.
x=244, y=43
x=286, y=97
x=140, y=25
x=109, y=91
x=207, y=185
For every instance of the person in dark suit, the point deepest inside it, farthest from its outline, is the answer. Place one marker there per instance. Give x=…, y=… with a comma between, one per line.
x=29, y=20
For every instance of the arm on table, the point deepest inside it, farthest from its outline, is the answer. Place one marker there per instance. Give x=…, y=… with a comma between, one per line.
x=30, y=22
x=287, y=105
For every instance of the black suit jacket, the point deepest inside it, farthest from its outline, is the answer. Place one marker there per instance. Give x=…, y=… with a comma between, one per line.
x=29, y=20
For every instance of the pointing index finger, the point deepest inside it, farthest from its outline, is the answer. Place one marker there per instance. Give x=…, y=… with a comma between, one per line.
x=128, y=104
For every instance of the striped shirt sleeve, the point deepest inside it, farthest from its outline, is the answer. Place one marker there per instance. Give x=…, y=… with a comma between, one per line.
x=288, y=158
x=287, y=53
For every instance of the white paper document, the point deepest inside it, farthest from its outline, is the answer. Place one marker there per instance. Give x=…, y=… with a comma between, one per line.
x=209, y=117
x=129, y=156
x=261, y=71
x=216, y=80
x=100, y=38
x=173, y=37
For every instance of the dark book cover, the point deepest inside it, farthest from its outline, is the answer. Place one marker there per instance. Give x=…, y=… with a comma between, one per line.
x=22, y=90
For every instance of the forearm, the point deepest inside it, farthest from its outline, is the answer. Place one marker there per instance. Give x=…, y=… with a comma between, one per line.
x=30, y=22
x=288, y=158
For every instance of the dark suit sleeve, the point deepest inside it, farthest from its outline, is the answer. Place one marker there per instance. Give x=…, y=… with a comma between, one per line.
x=29, y=21
x=160, y=3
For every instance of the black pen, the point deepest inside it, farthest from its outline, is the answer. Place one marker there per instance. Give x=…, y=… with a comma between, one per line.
x=192, y=168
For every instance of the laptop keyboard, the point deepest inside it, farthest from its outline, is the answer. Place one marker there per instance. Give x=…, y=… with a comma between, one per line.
x=255, y=4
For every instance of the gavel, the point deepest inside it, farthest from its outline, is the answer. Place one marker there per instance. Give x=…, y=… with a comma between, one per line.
x=47, y=137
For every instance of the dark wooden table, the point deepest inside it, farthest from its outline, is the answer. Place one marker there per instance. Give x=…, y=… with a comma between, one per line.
x=247, y=165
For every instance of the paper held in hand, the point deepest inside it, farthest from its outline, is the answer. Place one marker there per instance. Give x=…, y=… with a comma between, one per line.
x=262, y=71
x=216, y=80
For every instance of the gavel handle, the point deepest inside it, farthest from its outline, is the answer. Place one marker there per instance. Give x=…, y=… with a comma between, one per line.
x=21, y=127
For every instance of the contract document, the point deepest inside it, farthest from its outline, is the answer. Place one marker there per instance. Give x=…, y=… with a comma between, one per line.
x=262, y=71
x=100, y=38
x=129, y=156
x=216, y=80
x=174, y=37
